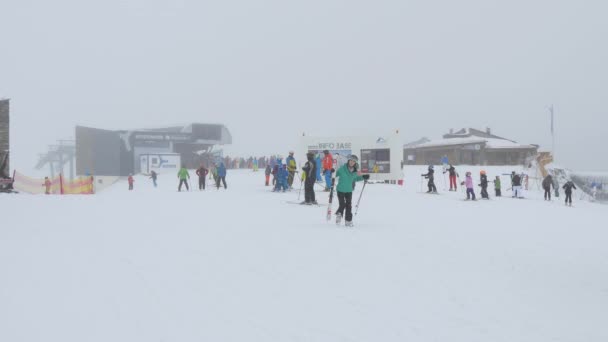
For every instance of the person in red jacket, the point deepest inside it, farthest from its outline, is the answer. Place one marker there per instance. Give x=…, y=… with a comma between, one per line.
x=328, y=168
x=202, y=175
x=131, y=181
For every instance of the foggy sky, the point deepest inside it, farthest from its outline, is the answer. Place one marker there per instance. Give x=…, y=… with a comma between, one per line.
x=272, y=69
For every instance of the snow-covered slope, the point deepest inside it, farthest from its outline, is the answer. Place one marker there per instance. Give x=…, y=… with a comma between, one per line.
x=243, y=265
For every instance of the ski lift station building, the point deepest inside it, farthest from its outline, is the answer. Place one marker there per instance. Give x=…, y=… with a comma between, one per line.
x=102, y=152
x=381, y=157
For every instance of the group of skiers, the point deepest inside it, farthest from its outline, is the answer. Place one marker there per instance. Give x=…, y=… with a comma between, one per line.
x=549, y=182
x=516, y=184
x=347, y=174
x=283, y=175
x=217, y=172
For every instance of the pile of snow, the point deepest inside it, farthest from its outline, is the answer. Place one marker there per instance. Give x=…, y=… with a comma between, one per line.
x=241, y=264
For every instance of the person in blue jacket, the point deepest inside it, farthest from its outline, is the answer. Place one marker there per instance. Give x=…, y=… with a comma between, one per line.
x=282, y=176
x=318, y=165
x=221, y=176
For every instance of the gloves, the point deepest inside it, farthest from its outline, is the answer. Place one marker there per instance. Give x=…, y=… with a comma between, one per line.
x=333, y=170
x=365, y=177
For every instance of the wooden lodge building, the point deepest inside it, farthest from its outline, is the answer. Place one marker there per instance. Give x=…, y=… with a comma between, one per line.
x=468, y=146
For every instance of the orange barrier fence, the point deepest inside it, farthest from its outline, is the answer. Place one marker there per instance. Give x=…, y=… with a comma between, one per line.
x=59, y=185
x=79, y=186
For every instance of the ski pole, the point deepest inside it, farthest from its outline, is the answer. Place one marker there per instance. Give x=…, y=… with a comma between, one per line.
x=359, y=200
x=421, y=181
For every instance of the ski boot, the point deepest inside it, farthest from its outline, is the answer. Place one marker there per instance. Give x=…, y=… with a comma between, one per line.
x=338, y=218
x=349, y=224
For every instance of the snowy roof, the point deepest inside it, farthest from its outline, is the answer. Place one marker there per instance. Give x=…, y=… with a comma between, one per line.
x=490, y=143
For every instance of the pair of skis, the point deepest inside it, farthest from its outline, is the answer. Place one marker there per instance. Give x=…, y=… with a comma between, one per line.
x=331, y=198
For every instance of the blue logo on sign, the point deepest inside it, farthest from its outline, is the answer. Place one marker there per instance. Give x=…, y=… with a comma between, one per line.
x=162, y=161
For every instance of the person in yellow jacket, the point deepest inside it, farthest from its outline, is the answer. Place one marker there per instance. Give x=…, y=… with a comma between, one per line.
x=291, y=169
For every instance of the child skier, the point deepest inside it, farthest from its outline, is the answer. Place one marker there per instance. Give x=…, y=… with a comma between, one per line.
x=497, y=186
x=282, y=179
x=267, y=174
x=309, y=176
x=568, y=190
x=431, y=177
x=468, y=183
x=47, y=185
x=484, y=184
x=131, y=181
x=275, y=170
x=347, y=175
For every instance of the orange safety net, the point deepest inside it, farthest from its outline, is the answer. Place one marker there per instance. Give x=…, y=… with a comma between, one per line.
x=59, y=185
x=30, y=185
x=79, y=186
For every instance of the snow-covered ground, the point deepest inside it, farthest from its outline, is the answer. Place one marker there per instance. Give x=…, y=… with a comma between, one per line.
x=244, y=265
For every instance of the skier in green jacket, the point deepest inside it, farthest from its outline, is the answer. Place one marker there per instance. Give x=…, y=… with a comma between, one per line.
x=347, y=175
x=183, y=176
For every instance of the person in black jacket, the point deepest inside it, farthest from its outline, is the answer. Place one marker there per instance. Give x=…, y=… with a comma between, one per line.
x=484, y=184
x=431, y=177
x=310, y=176
x=547, y=183
x=153, y=176
x=453, y=175
x=568, y=190
x=516, y=184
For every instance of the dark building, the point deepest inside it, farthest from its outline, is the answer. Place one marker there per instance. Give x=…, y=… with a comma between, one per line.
x=117, y=153
x=4, y=139
x=469, y=146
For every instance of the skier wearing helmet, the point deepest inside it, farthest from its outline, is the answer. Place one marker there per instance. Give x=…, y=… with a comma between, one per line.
x=431, y=177
x=484, y=184
x=291, y=168
x=309, y=175
x=468, y=183
x=347, y=175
